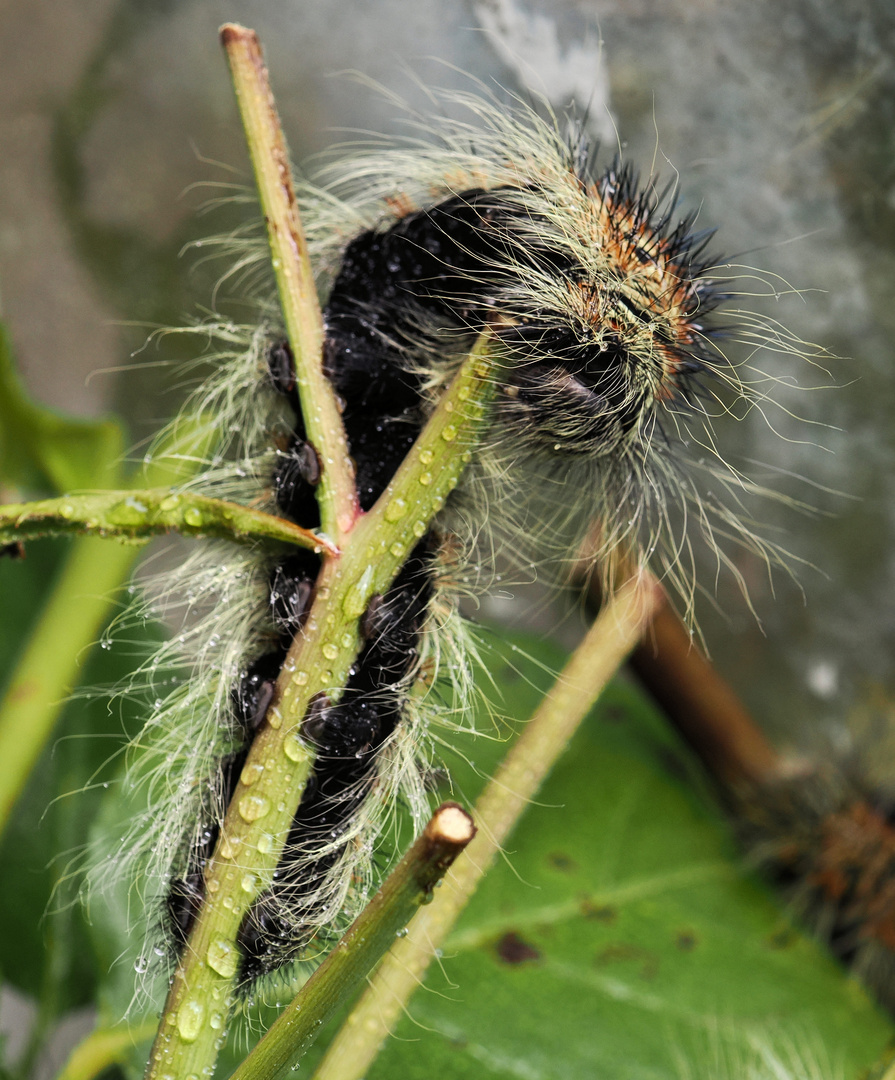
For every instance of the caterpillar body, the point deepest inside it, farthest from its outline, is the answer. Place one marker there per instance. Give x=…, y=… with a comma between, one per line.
x=601, y=303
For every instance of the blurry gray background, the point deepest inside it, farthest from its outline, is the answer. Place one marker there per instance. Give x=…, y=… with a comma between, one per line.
x=778, y=115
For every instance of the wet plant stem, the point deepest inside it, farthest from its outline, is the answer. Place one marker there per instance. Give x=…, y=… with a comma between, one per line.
x=409, y=886
x=613, y=634
x=140, y=514
x=294, y=276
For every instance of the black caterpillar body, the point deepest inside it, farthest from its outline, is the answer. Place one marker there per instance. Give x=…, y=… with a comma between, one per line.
x=587, y=362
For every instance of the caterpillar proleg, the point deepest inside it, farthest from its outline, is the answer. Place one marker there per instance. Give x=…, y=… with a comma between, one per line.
x=598, y=300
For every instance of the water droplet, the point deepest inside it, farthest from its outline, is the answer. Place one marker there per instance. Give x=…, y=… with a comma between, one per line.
x=275, y=718
x=251, y=773
x=222, y=957
x=449, y=406
x=401, y=933
x=66, y=510
x=347, y=640
x=294, y=748
x=141, y=965
x=265, y=844
x=425, y=479
x=253, y=807
x=426, y=457
x=395, y=510
x=357, y=597
x=216, y=1021
x=449, y=433
x=397, y=549
x=249, y=883
x=419, y=528
x=192, y=516
x=190, y=1017
x=330, y=651
x=226, y=849
x=301, y=678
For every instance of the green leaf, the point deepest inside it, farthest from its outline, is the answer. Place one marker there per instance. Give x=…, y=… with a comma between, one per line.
x=621, y=935
x=620, y=938
x=45, y=950
x=41, y=450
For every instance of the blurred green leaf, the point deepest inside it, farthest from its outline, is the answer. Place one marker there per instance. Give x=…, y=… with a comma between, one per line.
x=45, y=949
x=621, y=936
x=41, y=450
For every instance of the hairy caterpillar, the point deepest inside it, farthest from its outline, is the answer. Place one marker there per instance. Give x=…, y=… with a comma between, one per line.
x=825, y=838
x=601, y=303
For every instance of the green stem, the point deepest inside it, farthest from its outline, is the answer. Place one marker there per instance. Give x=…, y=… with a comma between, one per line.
x=294, y=276
x=138, y=515
x=280, y=761
x=611, y=637
x=69, y=624
x=368, y=938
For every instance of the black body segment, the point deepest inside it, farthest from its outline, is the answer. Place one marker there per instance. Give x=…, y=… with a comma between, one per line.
x=596, y=329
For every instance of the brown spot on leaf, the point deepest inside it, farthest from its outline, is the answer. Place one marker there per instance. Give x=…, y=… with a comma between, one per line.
x=603, y=913
x=562, y=862
x=782, y=938
x=513, y=949
x=622, y=952
x=614, y=714
x=686, y=941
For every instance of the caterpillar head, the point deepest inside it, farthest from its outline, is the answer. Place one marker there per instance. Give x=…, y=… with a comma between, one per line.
x=605, y=305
